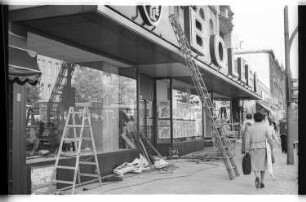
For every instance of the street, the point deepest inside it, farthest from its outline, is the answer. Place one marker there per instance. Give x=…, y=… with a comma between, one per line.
x=194, y=176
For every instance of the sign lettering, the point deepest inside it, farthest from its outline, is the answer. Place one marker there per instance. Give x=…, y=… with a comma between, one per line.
x=151, y=15
x=218, y=51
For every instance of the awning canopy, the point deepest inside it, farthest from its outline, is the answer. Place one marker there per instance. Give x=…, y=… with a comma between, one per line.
x=23, y=66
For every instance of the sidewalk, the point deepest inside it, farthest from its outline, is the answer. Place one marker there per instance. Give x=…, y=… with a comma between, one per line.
x=192, y=176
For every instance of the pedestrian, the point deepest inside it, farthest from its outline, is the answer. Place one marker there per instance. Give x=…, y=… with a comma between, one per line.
x=255, y=145
x=123, y=120
x=283, y=134
x=272, y=134
x=248, y=122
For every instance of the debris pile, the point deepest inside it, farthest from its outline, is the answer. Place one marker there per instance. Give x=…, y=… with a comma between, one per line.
x=146, y=160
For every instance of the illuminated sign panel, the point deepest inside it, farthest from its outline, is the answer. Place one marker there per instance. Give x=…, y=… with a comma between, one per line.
x=232, y=65
x=249, y=77
x=218, y=51
x=241, y=69
x=255, y=82
x=197, y=32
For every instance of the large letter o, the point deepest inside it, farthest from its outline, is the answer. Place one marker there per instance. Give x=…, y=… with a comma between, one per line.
x=218, y=51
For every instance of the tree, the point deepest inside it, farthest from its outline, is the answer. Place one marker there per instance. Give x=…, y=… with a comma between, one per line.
x=93, y=85
x=89, y=85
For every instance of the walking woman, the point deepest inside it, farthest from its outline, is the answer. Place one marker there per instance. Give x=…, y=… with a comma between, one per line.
x=255, y=145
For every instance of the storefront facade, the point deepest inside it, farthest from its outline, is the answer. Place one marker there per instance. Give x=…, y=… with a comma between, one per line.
x=127, y=59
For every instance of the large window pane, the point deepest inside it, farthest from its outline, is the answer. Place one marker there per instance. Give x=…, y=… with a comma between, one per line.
x=106, y=90
x=187, y=113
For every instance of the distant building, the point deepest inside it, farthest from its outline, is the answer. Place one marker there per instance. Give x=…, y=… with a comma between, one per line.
x=270, y=78
x=50, y=68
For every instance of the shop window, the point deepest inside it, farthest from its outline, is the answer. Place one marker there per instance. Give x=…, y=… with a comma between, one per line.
x=187, y=113
x=110, y=94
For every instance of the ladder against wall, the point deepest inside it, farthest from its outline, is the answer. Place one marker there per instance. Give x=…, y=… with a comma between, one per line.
x=222, y=142
x=78, y=129
x=55, y=111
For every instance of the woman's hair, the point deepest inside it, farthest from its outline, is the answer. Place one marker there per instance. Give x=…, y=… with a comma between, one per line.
x=258, y=117
x=249, y=116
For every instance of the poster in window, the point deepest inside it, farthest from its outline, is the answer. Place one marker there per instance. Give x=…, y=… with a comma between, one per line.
x=163, y=110
x=41, y=179
x=163, y=131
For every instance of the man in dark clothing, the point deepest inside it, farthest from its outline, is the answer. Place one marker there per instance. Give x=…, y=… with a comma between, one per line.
x=283, y=134
x=55, y=138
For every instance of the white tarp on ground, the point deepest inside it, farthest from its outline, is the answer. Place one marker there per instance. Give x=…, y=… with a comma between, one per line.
x=138, y=165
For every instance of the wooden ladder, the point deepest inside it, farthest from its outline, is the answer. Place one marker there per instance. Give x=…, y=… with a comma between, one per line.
x=78, y=139
x=222, y=142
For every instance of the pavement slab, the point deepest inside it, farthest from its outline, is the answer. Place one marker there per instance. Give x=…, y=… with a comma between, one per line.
x=194, y=174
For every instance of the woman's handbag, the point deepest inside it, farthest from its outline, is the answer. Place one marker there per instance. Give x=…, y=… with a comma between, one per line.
x=246, y=164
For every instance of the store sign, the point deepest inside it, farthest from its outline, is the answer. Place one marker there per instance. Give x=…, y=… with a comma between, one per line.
x=232, y=63
x=249, y=76
x=197, y=34
x=218, y=51
x=151, y=15
x=200, y=41
x=256, y=82
x=241, y=69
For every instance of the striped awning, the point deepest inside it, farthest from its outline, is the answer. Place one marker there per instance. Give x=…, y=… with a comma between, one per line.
x=23, y=66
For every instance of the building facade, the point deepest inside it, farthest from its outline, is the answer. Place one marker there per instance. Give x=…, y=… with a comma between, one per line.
x=271, y=78
x=127, y=59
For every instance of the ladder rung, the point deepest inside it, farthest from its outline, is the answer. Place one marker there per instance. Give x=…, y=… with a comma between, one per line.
x=87, y=163
x=89, y=175
x=71, y=138
x=62, y=182
x=74, y=154
x=76, y=139
x=77, y=112
x=66, y=167
x=78, y=126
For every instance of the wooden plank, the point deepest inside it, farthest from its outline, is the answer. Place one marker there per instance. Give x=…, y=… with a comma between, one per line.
x=128, y=141
x=152, y=147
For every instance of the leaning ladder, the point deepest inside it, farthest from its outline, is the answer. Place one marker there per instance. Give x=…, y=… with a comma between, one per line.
x=78, y=151
x=222, y=142
x=54, y=110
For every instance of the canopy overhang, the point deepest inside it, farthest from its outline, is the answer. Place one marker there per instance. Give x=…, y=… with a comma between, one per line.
x=87, y=28
x=23, y=66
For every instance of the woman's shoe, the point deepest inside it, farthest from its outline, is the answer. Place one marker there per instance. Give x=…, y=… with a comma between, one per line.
x=257, y=184
x=262, y=185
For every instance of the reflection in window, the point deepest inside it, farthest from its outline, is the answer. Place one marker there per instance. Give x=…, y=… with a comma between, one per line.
x=108, y=93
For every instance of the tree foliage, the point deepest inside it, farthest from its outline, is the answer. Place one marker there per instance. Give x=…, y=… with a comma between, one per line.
x=94, y=86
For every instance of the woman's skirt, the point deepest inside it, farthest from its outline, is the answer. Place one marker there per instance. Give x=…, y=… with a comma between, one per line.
x=258, y=159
